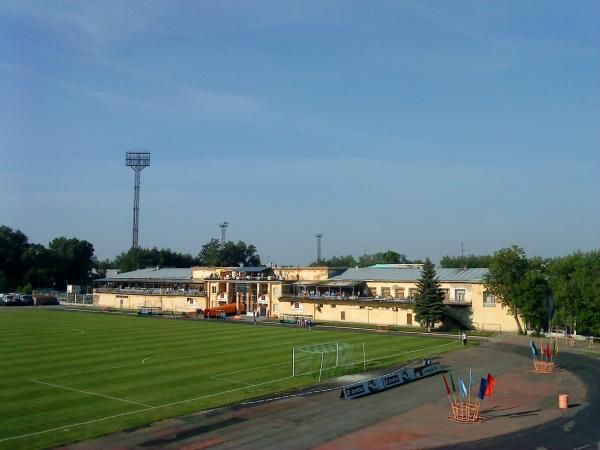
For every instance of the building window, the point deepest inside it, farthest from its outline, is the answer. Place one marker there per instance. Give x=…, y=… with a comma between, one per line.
x=399, y=292
x=191, y=302
x=385, y=292
x=488, y=299
x=362, y=306
x=343, y=315
x=446, y=294
x=460, y=295
x=213, y=289
x=372, y=292
x=333, y=306
x=275, y=307
x=412, y=292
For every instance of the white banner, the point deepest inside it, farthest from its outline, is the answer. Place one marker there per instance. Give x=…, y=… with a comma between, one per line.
x=388, y=381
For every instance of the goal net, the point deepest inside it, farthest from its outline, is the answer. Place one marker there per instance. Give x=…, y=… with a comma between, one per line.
x=327, y=360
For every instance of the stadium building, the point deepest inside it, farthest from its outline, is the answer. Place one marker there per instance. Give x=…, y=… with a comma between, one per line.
x=378, y=295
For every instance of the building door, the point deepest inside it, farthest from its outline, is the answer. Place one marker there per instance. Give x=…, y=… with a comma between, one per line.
x=409, y=319
x=263, y=311
x=120, y=303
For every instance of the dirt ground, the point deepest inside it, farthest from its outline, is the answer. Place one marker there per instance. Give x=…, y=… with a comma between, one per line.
x=523, y=413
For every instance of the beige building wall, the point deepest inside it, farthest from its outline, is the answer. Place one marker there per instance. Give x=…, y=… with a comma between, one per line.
x=166, y=303
x=375, y=315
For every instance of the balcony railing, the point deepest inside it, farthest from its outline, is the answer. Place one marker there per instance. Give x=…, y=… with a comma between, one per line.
x=153, y=291
x=365, y=299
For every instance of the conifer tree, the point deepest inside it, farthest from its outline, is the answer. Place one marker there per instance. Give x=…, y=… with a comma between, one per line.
x=429, y=302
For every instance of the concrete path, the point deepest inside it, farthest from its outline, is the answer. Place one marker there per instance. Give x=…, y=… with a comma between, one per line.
x=523, y=413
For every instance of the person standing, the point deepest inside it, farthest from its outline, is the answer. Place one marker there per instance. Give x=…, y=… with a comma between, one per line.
x=464, y=338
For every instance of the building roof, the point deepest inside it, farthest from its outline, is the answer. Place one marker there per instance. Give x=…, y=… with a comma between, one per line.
x=400, y=274
x=153, y=273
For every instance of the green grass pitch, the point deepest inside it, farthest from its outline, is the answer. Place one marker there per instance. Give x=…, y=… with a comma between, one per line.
x=68, y=376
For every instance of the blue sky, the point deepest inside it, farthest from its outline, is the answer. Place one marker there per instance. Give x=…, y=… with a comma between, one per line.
x=405, y=125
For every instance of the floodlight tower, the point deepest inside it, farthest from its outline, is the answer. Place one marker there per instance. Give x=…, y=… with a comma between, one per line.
x=137, y=161
x=223, y=226
x=319, y=236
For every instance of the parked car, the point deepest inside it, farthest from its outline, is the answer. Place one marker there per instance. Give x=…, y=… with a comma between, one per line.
x=11, y=300
x=27, y=300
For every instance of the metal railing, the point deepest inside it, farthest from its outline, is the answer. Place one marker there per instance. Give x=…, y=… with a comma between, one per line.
x=153, y=291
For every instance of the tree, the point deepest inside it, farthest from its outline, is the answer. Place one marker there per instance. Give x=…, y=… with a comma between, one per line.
x=508, y=269
x=429, y=302
x=139, y=258
x=575, y=284
x=336, y=261
x=13, y=244
x=228, y=254
x=387, y=257
x=466, y=261
x=533, y=293
x=72, y=261
x=39, y=263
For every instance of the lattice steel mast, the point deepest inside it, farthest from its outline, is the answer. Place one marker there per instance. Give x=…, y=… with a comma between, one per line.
x=138, y=161
x=319, y=236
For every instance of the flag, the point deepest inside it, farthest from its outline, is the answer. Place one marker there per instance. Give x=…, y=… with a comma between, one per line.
x=555, y=347
x=470, y=378
x=548, y=353
x=446, y=384
x=463, y=388
x=491, y=383
x=452, y=382
x=482, y=388
x=534, y=349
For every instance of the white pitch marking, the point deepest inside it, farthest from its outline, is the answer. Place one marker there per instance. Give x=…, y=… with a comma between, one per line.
x=90, y=393
x=229, y=381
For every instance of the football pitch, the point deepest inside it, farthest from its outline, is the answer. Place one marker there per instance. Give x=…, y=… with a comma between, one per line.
x=68, y=376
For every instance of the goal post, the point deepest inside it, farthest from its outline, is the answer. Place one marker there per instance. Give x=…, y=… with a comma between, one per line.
x=327, y=359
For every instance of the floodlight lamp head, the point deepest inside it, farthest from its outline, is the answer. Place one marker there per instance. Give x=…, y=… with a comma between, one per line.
x=137, y=160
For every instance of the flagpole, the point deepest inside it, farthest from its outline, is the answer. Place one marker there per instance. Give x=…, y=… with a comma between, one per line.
x=470, y=378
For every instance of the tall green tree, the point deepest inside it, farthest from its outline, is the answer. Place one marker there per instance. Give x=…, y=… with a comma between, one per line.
x=518, y=284
x=575, y=284
x=13, y=243
x=429, y=302
x=72, y=261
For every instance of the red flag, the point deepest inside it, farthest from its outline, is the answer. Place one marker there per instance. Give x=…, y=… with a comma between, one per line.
x=446, y=384
x=548, y=352
x=491, y=384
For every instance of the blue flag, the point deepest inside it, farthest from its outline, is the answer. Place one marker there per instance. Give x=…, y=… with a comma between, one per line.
x=534, y=349
x=463, y=388
x=482, y=388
